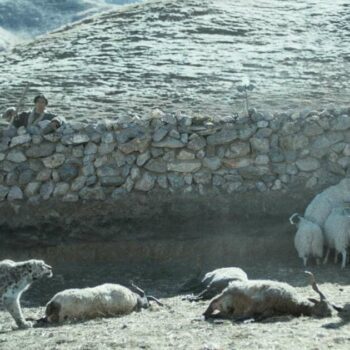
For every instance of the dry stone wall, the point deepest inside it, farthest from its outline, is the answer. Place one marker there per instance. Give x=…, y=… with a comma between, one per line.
x=175, y=153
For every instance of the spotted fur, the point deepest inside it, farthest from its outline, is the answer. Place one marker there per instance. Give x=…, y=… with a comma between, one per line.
x=15, y=278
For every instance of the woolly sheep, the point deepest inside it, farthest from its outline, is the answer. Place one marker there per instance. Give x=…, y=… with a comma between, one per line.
x=321, y=206
x=100, y=301
x=260, y=299
x=308, y=240
x=337, y=234
x=214, y=282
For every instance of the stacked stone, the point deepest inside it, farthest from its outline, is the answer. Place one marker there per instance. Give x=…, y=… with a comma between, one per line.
x=176, y=153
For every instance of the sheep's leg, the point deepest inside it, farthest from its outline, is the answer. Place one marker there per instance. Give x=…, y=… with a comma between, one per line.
x=336, y=257
x=318, y=261
x=343, y=253
x=325, y=260
x=305, y=261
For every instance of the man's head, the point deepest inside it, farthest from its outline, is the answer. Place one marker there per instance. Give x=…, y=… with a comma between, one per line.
x=40, y=103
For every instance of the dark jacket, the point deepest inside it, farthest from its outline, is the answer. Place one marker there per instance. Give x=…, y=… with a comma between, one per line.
x=22, y=118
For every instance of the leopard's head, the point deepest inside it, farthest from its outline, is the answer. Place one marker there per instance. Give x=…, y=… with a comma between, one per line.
x=38, y=269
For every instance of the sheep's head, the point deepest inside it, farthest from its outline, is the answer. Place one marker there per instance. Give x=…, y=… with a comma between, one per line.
x=291, y=219
x=221, y=305
x=143, y=299
x=322, y=307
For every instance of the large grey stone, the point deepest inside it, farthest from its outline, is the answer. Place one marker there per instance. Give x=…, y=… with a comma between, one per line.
x=238, y=149
x=54, y=161
x=135, y=145
x=160, y=133
x=106, y=148
x=156, y=166
x=146, y=183
x=114, y=181
x=32, y=189
x=212, y=163
x=61, y=189
x=308, y=164
x=222, y=137
x=47, y=189
x=169, y=142
x=185, y=166
x=15, y=193
x=75, y=139
x=68, y=172
x=20, y=140
x=16, y=156
x=143, y=158
x=92, y=193
x=340, y=123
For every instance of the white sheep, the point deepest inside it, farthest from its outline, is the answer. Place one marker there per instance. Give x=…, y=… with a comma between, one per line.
x=101, y=301
x=308, y=240
x=215, y=281
x=321, y=206
x=259, y=299
x=337, y=234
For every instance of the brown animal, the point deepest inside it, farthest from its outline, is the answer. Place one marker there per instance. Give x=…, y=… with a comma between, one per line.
x=259, y=299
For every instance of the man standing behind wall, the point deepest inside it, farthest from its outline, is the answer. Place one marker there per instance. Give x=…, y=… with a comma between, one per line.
x=37, y=115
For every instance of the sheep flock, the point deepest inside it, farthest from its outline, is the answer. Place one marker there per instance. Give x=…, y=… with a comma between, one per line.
x=325, y=226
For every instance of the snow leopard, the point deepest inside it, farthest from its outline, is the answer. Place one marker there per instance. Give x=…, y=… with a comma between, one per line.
x=15, y=278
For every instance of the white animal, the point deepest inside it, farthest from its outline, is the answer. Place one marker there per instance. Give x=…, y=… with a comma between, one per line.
x=260, y=299
x=321, y=206
x=215, y=281
x=101, y=301
x=337, y=233
x=308, y=240
x=16, y=278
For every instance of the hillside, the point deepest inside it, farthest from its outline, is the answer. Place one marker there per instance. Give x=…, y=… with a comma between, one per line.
x=189, y=55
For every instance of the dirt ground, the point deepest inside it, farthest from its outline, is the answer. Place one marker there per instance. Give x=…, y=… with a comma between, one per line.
x=179, y=325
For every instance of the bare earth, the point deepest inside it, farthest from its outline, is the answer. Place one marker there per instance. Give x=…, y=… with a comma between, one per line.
x=179, y=325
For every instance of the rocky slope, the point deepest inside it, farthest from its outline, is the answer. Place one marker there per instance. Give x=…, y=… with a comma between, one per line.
x=189, y=55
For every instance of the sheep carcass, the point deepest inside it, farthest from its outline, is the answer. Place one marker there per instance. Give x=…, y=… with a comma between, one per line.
x=100, y=301
x=259, y=299
x=215, y=281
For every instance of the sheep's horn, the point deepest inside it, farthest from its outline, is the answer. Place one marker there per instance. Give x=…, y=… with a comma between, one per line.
x=138, y=289
x=314, y=285
x=155, y=299
x=292, y=217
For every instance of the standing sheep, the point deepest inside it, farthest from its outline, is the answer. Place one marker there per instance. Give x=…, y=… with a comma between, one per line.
x=215, y=281
x=100, y=301
x=261, y=299
x=337, y=233
x=321, y=206
x=308, y=240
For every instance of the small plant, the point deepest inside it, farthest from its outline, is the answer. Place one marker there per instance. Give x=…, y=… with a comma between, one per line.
x=244, y=88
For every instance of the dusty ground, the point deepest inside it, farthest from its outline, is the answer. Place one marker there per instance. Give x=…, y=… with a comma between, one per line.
x=179, y=325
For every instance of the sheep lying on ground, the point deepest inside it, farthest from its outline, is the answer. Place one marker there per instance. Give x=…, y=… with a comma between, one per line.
x=337, y=233
x=100, y=301
x=308, y=239
x=215, y=281
x=259, y=299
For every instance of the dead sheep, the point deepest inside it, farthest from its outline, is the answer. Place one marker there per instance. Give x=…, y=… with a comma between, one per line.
x=214, y=282
x=337, y=234
x=308, y=240
x=260, y=299
x=105, y=300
